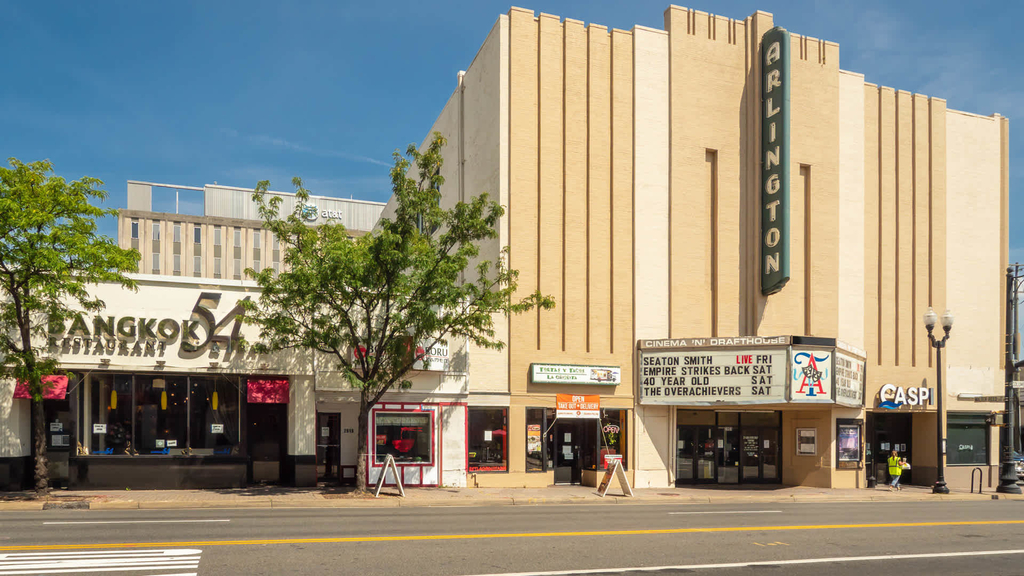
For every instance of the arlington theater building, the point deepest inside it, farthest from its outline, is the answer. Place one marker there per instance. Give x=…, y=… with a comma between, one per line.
x=741, y=238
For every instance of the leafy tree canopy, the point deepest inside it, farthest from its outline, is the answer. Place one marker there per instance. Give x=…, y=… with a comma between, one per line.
x=50, y=254
x=368, y=301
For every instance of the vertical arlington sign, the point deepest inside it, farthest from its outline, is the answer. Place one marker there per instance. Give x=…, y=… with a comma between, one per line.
x=776, y=161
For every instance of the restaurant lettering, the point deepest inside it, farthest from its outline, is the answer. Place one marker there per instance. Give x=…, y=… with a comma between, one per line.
x=776, y=161
x=105, y=334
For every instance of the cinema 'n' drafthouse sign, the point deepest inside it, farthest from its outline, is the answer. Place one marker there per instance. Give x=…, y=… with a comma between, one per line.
x=745, y=370
x=775, y=160
x=699, y=371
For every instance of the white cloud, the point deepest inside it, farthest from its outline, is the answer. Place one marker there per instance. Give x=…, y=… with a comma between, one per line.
x=273, y=141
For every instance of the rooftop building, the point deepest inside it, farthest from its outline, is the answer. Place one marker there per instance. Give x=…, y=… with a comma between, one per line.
x=215, y=231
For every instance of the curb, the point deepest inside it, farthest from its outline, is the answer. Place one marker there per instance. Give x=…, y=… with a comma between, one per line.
x=395, y=502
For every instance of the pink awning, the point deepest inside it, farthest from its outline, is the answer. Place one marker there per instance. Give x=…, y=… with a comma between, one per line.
x=54, y=388
x=268, y=390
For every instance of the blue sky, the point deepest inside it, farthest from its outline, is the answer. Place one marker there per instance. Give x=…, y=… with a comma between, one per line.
x=235, y=92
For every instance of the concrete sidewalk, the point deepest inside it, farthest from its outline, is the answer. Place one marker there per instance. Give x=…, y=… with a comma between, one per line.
x=332, y=497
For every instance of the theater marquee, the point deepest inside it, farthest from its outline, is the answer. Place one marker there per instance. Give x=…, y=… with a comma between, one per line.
x=698, y=377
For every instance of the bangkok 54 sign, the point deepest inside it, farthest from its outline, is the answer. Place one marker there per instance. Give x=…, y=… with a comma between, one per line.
x=810, y=376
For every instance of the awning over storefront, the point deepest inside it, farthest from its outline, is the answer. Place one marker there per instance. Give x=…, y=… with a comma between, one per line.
x=268, y=391
x=54, y=388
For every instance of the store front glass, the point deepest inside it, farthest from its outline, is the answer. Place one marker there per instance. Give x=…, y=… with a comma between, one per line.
x=727, y=447
x=487, y=449
x=891, y=431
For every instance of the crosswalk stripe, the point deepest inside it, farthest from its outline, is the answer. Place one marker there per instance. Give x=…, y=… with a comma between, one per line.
x=169, y=562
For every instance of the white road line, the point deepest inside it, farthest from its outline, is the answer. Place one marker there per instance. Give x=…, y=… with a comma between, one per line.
x=729, y=512
x=135, y=522
x=837, y=559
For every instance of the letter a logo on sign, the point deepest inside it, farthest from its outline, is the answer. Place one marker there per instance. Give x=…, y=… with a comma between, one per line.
x=775, y=160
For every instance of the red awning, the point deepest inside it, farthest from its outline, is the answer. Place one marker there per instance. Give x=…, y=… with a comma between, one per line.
x=268, y=390
x=54, y=388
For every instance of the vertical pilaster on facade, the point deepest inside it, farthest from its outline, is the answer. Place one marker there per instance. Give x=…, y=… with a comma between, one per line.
x=576, y=233
x=852, y=224
x=551, y=199
x=1004, y=208
x=873, y=227
x=887, y=237
x=651, y=182
x=599, y=171
x=523, y=182
x=906, y=327
x=922, y=229
x=750, y=184
x=937, y=194
x=623, y=334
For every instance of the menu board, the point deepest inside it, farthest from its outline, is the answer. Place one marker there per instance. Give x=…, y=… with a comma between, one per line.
x=701, y=377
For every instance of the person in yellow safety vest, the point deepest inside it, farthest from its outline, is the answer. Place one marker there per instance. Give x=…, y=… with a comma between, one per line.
x=895, y=471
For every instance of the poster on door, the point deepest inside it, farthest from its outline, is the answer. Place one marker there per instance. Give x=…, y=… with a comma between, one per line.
x=578, y=406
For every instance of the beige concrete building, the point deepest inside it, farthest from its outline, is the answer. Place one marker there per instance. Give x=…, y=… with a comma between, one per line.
x=636, y=181
x=227, y=237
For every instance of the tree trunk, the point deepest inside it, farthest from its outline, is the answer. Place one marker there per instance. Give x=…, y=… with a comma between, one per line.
x=42, y=473
x=362, y=456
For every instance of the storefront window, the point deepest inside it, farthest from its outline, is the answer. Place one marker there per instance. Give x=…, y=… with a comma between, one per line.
x=109, y=425
x=488, y=448
x=213, y=416
x=155, y=414
x=408, y=436
x=966, y=439
x=613, y=437
x=161, y=414
x=535, y=439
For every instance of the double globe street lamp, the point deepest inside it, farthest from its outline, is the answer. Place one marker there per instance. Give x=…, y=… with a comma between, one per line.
x=930, y=317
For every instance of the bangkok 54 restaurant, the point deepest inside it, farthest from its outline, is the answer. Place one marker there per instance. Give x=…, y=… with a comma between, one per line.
x=159, y=394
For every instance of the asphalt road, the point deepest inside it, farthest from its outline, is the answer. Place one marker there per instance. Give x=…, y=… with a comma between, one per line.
x=784, y=539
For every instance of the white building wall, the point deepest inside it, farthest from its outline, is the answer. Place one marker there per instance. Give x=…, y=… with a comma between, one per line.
x=975, y=279
x=301, y=416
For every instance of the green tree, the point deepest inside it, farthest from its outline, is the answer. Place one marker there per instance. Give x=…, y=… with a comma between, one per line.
x=366, y=302
x=49, y=256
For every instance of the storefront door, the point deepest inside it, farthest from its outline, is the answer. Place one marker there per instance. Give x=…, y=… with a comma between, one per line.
x=750, y=455
x=686, y=454
x=892, y=432
x=267, y=432
x=759, y=455
x=728, y=455
x=568, y=437
x=706, y=467
x=328, y=446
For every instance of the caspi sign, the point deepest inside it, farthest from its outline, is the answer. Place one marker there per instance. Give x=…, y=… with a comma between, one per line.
x=891, y=396
x=775, y=162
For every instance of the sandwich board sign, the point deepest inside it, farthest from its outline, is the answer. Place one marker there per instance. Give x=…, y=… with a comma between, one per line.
x=614, y=469
x=389, y=464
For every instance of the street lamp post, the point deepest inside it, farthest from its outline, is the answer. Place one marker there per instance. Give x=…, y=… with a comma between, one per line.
x=947, y=324
x=1007, y=469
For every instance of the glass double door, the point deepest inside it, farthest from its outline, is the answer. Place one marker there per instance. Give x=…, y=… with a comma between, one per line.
x=726, y=454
